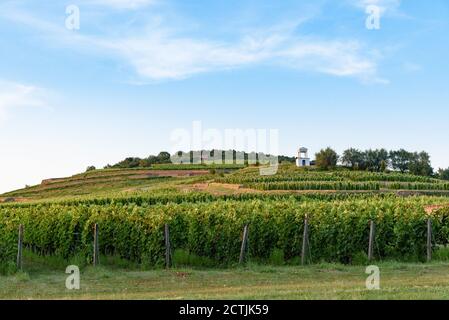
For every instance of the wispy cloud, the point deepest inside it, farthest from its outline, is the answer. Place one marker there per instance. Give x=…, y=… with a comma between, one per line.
x=160, y=52
x=161, y=55
x=16, y=95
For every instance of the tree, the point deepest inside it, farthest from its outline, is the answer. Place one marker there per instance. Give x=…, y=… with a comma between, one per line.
x=90, y=168
x=152, y=160
x=383, y=166
x=400, y=160
x=374, y=159
x=326, y=159
x=144, y=163
x=420, y=164
x=352, y=158
x=164, y=157
x=128, y=163
x=443, y=174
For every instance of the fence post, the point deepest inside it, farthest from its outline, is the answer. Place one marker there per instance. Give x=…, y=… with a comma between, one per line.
x=372, y=233
x=244, y=245
x=429, y=240
x=96, y=246
x=305, y=240
x=20, y=248
x=167, y=247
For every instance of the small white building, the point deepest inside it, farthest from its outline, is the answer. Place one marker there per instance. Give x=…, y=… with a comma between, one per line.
x=303, y=160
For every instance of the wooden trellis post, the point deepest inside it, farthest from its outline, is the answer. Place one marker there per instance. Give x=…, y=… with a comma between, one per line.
x=167, y=247
x=305, y=240
x=20, y=249
x=244, y=247
x=372, y=234
x=429, y=240
x=96, y=246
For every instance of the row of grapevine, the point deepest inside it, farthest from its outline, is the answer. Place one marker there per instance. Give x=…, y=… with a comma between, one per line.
x=418, y=186
x=192, y=197
x=310, y=185
x=338, y=229
x=314, y=185
x=344, y=175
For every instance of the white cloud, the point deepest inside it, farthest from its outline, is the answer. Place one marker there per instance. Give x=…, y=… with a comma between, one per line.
x=160, y=55
x=338, y=58
x=16, y=95
x=157, y=52
x=123, y=4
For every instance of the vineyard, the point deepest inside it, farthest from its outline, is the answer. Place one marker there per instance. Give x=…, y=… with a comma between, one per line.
x=209, y=227
x=213, y=230
x=311, y=185
x=290, y=178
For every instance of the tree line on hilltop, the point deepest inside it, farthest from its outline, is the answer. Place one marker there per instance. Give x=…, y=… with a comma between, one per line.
x=380, y=160
x=193, y=157
x=375, y=160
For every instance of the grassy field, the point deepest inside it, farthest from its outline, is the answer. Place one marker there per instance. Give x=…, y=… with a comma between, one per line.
x=324, y=281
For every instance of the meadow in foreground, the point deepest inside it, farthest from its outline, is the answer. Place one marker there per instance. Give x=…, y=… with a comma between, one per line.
x=46, y=280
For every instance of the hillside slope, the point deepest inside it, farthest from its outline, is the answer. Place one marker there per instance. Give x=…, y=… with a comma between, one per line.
x=107, y=181
x=226, y=180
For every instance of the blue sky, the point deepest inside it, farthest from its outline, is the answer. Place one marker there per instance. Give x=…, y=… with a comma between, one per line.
x=138, y=69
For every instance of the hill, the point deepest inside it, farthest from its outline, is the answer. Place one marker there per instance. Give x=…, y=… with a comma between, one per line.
x=111, y=181
x=225, y=179
x=206, y=210
x=291, y=178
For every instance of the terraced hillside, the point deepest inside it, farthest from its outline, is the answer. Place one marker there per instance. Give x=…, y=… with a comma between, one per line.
x=226, y=179
x=290, y=178
x=110, y=181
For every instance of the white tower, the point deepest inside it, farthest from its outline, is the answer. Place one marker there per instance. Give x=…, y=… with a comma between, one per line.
x=303, y=159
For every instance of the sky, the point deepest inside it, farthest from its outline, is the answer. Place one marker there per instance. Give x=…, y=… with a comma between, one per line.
x=128, y=74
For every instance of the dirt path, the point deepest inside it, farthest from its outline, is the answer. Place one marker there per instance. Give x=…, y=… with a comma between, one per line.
x=433, y=208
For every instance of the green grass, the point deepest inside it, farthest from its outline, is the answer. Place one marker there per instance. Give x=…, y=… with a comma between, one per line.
x=45, y=279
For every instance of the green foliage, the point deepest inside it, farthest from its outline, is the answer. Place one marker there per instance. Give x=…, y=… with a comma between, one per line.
x=326, y=159
x=134, y=162
x=8, y=241
x=383, y=166
x=348, y=186
x=373, y=160
x=380, y=160
x=443, y=174
x=342, y=179
x=420, y=164
x=400, y=160
x=277, y=257
x=311, y=185
x=203, y=157
x=212, y=231
x=353, y=158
